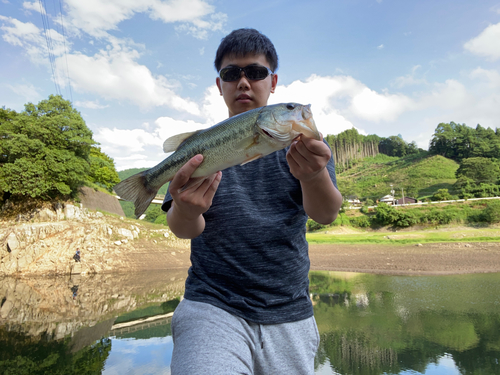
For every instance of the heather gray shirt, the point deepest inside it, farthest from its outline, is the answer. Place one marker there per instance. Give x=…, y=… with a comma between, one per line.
x=252, y=258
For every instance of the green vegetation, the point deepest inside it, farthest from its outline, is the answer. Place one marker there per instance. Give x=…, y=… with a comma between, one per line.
x=419, y=175
x=376, y=324
x=47, y=153
x=470, y=213
x=458, y=142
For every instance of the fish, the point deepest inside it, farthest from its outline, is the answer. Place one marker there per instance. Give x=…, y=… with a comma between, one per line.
x=237, y=140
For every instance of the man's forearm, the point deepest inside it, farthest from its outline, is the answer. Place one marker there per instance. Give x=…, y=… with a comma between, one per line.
x=321, y=199
x=182, y=227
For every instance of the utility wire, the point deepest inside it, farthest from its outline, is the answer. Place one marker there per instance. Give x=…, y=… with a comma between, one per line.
x=48, y=39
x=65, y=51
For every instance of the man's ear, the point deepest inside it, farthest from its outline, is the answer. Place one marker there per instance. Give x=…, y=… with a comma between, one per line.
x=274, y=82
x=217, y=82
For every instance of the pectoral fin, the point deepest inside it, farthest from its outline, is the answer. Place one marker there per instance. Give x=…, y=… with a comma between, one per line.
x=173, y=143
x=255, y=157
x=247, y=143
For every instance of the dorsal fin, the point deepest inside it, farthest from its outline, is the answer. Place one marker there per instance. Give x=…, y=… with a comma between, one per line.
x=172, y=143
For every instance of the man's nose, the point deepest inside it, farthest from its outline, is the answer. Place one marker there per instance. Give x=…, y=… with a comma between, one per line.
x=243, y=83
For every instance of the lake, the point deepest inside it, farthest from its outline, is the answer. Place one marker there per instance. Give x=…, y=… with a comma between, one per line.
x=369, y=324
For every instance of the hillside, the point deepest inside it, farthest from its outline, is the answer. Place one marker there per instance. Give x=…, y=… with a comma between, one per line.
x=419, y=175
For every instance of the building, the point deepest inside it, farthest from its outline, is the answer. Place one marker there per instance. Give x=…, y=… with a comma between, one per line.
x=389, y=199
x=406, y=200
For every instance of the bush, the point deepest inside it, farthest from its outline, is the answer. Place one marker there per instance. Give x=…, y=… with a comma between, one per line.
x=438, y=217
x=161, y=219
x=441, y=195
x=386, y=215
x=342, y=219
x=312, y=226
x=405, y=219
x=491, y=214
x=361, y=221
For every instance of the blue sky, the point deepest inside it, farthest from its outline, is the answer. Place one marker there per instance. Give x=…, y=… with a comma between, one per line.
x=141, y=71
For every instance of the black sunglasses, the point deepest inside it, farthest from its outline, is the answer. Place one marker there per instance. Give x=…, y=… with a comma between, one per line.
x=252, y=72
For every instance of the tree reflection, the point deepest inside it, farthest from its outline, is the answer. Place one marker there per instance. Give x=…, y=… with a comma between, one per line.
x=24, y=357
x=368, y=325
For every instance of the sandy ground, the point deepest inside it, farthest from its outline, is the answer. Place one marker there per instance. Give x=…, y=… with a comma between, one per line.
x=426, y=259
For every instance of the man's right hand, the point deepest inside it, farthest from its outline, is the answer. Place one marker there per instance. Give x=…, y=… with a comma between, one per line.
x=185, y=215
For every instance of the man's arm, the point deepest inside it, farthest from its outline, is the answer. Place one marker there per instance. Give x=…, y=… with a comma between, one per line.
x=307, y=159
x=185, y=216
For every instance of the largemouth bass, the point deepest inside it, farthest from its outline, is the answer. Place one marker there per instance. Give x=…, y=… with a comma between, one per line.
x=236, y=141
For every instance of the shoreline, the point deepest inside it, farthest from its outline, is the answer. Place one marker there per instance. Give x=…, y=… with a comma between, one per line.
x=421, y=259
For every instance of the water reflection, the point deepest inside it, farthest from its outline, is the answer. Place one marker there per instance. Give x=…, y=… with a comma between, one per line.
x=62, y=325
x=369, y=324
x=374, y=324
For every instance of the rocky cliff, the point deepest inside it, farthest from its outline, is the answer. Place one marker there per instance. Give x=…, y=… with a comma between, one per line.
x=44, y=241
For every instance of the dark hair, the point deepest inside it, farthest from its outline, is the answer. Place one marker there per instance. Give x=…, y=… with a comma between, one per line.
x=246, y=41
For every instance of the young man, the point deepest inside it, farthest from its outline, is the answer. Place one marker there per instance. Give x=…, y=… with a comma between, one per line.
x=246, y=308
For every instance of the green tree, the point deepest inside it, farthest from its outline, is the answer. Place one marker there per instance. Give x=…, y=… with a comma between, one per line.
x=479, y=170
x=491, y=213
x=458, y=141
x=44, y=153
x=441, y=195
x=102, y=169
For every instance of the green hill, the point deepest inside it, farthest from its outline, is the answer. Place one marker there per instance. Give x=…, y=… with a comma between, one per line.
x=419, y=175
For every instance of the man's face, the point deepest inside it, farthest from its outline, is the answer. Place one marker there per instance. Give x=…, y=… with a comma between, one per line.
x=244, y=94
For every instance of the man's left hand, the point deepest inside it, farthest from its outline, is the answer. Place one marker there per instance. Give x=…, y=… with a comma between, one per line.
x=307, y=157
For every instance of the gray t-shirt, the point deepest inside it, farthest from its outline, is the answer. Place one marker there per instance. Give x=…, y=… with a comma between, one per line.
x=252, y=258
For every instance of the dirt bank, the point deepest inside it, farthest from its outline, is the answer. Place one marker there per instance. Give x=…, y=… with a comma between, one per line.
x=426, y=259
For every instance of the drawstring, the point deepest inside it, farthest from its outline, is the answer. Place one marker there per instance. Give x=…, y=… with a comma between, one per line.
x=260, y=337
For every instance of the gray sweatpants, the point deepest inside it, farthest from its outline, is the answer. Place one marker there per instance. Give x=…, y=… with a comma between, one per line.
x=209, y=340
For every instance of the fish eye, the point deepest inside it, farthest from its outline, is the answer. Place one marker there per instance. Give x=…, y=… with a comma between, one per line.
x=290, y=106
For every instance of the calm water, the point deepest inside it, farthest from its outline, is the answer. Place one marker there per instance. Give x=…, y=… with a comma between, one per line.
x=369, y=324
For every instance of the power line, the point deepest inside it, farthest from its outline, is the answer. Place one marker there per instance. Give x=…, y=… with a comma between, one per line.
x=48, y=39
x=65, y=51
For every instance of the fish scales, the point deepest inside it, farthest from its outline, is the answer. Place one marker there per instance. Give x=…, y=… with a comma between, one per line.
x=213, y=143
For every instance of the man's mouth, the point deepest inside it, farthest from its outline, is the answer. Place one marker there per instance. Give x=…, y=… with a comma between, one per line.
x=243, y=98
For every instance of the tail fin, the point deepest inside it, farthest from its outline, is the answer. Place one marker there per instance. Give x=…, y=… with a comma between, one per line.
x=136, y=190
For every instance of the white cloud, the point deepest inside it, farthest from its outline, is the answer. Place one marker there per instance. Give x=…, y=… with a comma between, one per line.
x=495, y=8
x=380, y=46
x=409, y=79
x=487, y=43
x=112, y=73
x=115, y=74
x=373, y=106
x=451, y=94
x=27, y=91
x=97, y=18
x=90, y=104
x=33, y=40
x=131, y=141
x=34, y=6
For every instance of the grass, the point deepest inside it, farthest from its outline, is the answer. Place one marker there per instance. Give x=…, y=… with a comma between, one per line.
x=445, y=234
x=419, y=175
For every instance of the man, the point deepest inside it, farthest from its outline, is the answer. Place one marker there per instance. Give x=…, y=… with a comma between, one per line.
x=246, y=308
